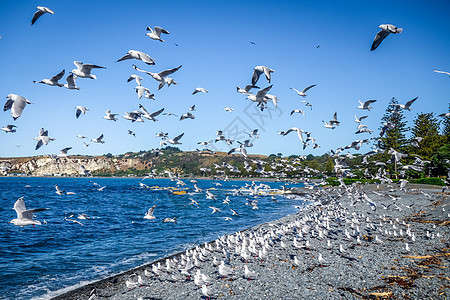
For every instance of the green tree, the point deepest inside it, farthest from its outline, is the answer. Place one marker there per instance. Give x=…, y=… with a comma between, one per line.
x=329, y=166
x=446, y=129
x=393, y=137
x=426, y=126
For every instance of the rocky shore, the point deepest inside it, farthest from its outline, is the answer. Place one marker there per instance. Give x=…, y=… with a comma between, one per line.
x=354, y=242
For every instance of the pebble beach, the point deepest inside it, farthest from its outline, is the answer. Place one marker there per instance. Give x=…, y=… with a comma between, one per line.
x=351, y=242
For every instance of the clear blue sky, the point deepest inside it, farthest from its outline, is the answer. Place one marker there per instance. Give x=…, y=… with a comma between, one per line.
x=214, y=46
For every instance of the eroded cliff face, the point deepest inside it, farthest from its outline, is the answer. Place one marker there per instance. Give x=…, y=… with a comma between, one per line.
x=40, y=166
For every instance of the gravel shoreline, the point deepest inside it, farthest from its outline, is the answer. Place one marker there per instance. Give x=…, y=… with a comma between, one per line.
x=357, y=242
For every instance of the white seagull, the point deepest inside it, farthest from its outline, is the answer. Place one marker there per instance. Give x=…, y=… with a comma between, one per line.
x=43, y=138
x=84, y=70
x=9, y=128
x=228, y=109
x=80, y=110
x=407, y=104
x=98, y=140
x=386, y=29
x=258, y=70
x=54, y=80
x=260, y=95
x=135, y=77
x=151, y=116
x=155, y=34
x=303, y=93
x=199, y=90
x=366, y=105
x=25, y=216
x=71, y=82
x=442, y=72
x=110, y=116
x=40, y=11
x=175, y=141
x=149, y=214
x=139, y=55
x=160, y=76
x=16, y=104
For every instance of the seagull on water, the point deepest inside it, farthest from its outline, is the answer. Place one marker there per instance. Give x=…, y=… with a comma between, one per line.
x=258, y=70
x=25, y=216
x=386, y=29
x=54, y=80
x=43, y=138
x=303, y=93
x=16, y=104
x=139, y=55
x=149, y=214
x=40, y=11
x=84, y=70
x=155, y=34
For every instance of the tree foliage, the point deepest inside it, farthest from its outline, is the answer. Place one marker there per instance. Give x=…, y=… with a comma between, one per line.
x=426, y=126
x=394, y=137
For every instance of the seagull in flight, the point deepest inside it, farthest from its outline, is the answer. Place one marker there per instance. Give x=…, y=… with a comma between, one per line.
x=149, y=214
x=258, y=70
x=151, y=116
x=199, y=90
x=175, y=141
x=139, y=55
x=135, y=77
x=98, y=140
x=161, y=75
x=40, y=11
x=442, y=72
x=84, y=70
x=43, y=138
x=247, y=89
x=71, y=82
x=366, y=105
x=407, y=104
x=25, y=216
x=16, y=104
x=303, y=93
x=9, y=128
x=54, y=80
x=386, y=29
x=299, y=111
x=260, y=95
x=131, y=133
x=155, y=34
x=110, y=116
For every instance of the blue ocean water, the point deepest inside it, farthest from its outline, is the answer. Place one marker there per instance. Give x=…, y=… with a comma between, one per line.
x=39, y=262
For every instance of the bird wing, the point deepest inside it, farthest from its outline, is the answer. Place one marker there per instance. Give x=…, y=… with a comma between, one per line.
x=145, y=58
x=8, y=104
x=298, y=92
x=17, y=107
x=157, y=112
x=19, y=207
x=71, y=79
x=381, y=35
x=140, y=70
x=58, y=76
x=125, y=57
x=79, y=65
x=307, y=88
x=100, y=137
x=36, y=16
x=143, y=109
x=255, y=76
x=78, y=113
x=267, y=73
x=176, y=139
x=443, y=72
x=168, y=72
x=43, y=132
x=368, y=102
x=151, y=210
x=160, y=30
x=88, y=67
x=39, y=144
x=410, y=102
x=261, y=93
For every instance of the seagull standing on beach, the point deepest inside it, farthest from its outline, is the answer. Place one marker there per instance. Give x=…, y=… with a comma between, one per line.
x=25, y=216
x=386, y=29
x=40, y=11
x=16, y=104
